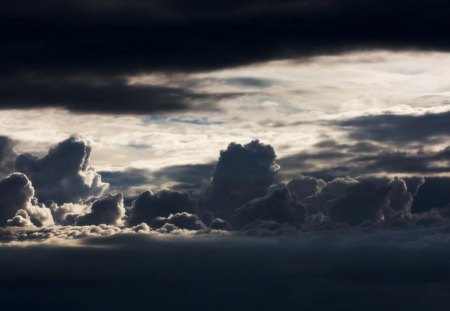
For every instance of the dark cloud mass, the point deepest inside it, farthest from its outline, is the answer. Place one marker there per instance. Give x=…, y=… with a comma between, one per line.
x=16, y=192
x=79, y=53
x=163, y=203
x=279, y=205
x=108, y=210
x=64, y=174
x=399, y=129
x=241, y=174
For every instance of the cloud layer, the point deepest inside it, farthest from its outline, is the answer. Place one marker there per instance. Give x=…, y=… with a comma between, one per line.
x=245, y=194
x=81, y=56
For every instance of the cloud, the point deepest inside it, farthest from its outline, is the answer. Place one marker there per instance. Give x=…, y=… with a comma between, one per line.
x=399, y=129
x=16, y=193
x=161, y=36
x=103, y=94
x=18, y=205
x=149, y=205
x=376, y=201
x=279, y=205
x=241, y=174
x=21, y=219
x=64, y=174
x=179, y=221
x=220, y=224
x=305, y=186
x=108, y=210
x=329, y=159
x=81, y=57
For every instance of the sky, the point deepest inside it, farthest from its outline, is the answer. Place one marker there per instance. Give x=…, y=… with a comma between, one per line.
x=289, y=154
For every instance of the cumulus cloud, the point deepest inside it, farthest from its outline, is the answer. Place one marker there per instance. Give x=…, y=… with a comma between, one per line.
x=21, y=219
x=16, y=192
x=108, y=210
x=358, y=201
x=18, y=205
x=242, y=173
x=66, y=213
x=149, y=205
x=180, y=220
x=65, y=173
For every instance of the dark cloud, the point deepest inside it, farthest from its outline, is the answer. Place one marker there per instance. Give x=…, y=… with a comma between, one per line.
x=7, y=156
x=363, y=201
x=16, y=192
x=279, y=205
x=160, y=35
x=108, y=210
x=178, y=221
x=18, y=207
x=148, y=205
x=64, y=174
x=95, y=39
x=241, y=174
x=399, y=129
x=330, y=159
x=220, y=224
x=99, y=94
x=305, y=186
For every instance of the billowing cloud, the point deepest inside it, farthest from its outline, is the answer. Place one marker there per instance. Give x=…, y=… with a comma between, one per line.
x=18, y=205
x=149, y=205
x=242, y=173
x=16, y=193
x=108, y=210
x=64, y=174
x=21, y=219
x=179, y=221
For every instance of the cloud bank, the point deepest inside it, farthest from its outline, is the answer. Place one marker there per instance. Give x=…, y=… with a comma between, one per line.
x=245, y=195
